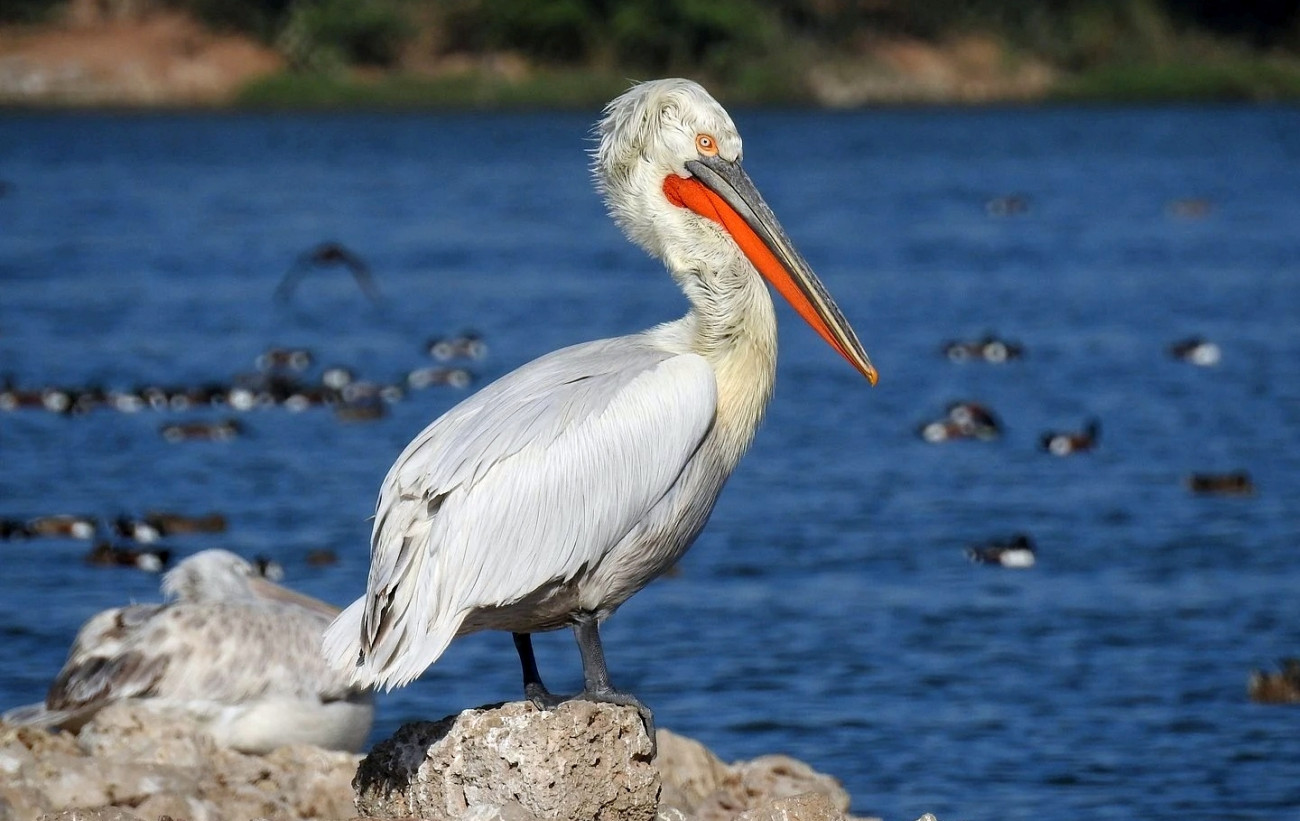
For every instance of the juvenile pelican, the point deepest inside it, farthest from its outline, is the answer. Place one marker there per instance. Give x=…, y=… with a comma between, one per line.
x=552, y=495
x=235, y=653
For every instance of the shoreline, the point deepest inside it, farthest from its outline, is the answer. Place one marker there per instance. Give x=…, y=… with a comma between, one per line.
x=170, y=62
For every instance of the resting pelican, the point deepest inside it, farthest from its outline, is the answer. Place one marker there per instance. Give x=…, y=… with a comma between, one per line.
x=232, y=651
x=549, y=497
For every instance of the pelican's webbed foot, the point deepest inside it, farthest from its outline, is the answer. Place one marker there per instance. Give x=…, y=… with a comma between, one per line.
x=595, y=676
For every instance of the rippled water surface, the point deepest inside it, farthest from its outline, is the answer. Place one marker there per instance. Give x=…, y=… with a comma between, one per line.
x=828, y=610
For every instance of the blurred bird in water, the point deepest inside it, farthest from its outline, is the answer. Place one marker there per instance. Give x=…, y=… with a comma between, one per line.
x=327, y=255
x=1196, y=350
x=1016, y=552
x=1064, y=443
x=235, y=653
x=148, y=559
x=1237, y=483
x=548, y=498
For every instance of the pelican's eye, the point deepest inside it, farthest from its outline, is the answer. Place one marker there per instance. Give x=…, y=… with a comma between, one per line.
x=706, y=145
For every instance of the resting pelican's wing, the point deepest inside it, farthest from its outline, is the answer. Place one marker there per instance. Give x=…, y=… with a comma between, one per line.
x=545, y=471
x=210, y=652
x=105, y=661
x=102, y=666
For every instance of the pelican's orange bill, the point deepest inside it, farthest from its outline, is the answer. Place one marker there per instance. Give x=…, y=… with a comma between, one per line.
x=690, y=193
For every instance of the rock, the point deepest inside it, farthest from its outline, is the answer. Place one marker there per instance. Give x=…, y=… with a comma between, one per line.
x=579, y=761
x=687, y=770
x=129, y=756
x=105, y=814
x=757, y=787
x=809, y=806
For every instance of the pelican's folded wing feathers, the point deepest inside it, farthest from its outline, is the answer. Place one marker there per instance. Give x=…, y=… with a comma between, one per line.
x=532, y=471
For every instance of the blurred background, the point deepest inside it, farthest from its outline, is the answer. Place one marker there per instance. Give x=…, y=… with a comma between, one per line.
x=1046, y=569
x=581, y=52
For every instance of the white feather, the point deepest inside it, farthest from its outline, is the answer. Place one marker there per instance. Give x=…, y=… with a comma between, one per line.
x=533, y=481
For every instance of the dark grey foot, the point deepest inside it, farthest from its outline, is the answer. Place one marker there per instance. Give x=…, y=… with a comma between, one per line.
x=612, y=696
x=597, y=687
x=544, y=699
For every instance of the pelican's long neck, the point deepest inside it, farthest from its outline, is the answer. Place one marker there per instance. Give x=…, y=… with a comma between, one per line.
x=732, y=324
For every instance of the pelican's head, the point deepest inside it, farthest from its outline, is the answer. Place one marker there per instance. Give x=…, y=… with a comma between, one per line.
x=209, y=576
x=668, y=165
x=219, y=576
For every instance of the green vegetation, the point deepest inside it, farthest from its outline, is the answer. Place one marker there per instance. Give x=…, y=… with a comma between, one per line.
x=1225, y=80
x=27, y=11
x=542, y=89
x=574, y=52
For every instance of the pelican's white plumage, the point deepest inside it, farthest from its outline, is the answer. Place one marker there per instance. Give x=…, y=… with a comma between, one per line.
x=552, y=495
x=236, y=653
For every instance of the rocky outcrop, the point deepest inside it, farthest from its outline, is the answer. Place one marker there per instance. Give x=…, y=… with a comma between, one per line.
x=579, y=761
x=510, y=762
x=128, y=759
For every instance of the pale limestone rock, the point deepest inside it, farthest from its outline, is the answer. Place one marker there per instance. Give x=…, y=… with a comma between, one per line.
x=752, y=785
x=809, y=806
x=506, y=763
x=579, y=761
x=103, y=814
x=688, y=772
x=131, y=757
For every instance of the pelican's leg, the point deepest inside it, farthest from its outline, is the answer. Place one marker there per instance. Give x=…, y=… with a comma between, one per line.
x=534, y=689
x=595, y=675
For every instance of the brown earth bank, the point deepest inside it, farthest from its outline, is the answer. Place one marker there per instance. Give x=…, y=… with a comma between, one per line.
x=164, y=58
x=580, y=762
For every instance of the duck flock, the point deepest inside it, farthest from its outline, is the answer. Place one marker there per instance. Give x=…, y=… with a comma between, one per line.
x=284, y=378
x=970, y=420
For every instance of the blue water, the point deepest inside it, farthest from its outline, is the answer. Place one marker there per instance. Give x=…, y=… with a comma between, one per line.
x=828, y=610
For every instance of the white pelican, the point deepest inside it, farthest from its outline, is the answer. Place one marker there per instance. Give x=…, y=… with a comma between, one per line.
x=232, y=651
x=549, y=497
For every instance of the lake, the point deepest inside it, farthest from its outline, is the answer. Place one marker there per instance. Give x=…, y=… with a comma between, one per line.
x=828, y=611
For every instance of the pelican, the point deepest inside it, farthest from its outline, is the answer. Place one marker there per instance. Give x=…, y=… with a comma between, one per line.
x=552, y=495
x=235, y=653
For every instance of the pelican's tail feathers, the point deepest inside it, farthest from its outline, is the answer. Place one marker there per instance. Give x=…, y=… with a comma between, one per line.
x=341, y=645
x=395, y=661
x=35, y=715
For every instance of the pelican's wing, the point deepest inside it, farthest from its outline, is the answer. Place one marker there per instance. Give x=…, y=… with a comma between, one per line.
x=519, y=487
x=101, y=667
x=214, y=652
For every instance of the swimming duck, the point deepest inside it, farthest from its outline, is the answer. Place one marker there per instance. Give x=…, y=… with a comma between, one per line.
x=1282, y=687
x=209, y=431
x=421, y=378
x=1007, y=205
x=294, y=359
x=468, y=345
x=155, y=524
x=1066, y=443
x=149, y=559
x=1237, y=483
x=989, y=348
x=963, y=420
x=1017, y=552
x=1196, y=350
x=63, y=525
